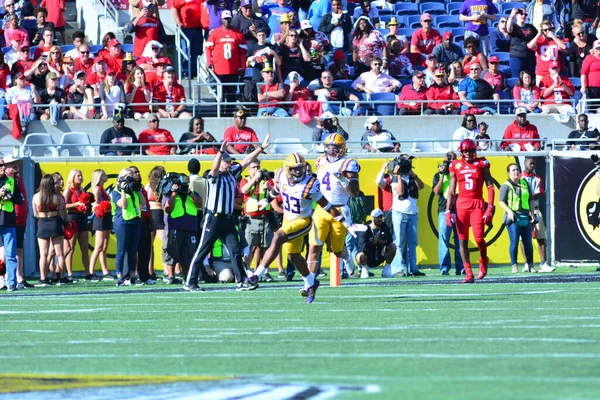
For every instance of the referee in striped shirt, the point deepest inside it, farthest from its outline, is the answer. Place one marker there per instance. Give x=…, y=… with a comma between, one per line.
x=218, y=221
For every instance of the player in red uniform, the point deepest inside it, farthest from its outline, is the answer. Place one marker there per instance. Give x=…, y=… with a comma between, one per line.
x=470, y=172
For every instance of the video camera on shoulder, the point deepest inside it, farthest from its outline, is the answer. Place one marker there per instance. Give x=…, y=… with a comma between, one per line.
x=403, y=162
x=125, y=183
x=180, y=181
x=266, y=174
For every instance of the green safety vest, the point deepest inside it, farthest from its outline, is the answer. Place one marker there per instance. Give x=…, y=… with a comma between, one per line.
x=252, y=202
x=513, y=200
x=180, y=208
x=7, y=205
x=131, y=211
x=445, y=185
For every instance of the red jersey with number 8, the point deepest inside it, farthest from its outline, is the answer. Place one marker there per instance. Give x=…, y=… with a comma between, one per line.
x=226, y=51
x=469, y=178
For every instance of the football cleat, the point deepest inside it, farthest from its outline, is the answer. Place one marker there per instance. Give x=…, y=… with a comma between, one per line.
x=469, y=278
x=312, y=291
x=483, y=265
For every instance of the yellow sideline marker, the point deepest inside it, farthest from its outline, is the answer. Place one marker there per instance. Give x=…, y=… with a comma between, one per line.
x=334, y=270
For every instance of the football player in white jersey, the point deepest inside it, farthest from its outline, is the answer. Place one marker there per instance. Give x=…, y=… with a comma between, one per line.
x=298, y=191
x=338, y=176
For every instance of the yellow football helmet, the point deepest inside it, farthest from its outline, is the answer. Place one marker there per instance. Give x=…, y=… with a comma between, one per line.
x=335, y=146
x=295, y=167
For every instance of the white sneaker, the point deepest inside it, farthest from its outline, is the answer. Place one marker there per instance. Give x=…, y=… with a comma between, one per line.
x=525, y=268
x=364, y=272
x=387, y=272
x=546, y=268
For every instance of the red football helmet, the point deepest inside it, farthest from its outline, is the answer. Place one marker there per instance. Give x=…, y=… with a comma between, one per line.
x=468, y=149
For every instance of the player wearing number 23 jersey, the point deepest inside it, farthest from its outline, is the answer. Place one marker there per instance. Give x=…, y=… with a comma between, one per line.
x=470, y=173
x=226, y=51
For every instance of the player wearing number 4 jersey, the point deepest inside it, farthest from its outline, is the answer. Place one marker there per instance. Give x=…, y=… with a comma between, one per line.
x=469, y=173
x=339, y=180
x=298, y=192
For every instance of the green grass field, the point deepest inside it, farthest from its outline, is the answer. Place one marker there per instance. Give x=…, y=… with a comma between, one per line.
x=534, y=338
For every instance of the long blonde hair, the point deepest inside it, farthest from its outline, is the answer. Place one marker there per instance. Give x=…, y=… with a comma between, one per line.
x=69, y=183
x=96, y=176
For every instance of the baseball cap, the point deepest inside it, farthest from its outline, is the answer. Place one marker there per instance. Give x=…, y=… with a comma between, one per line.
x=98, y=60
x=9, y=159
x=110, y=71
x=376, y=213
x=393, y=21
x=19, y=75
x=284, y=18
x=78, y=74
x=225, y=14
x=51, y=76
x=226, y=157
x=246, y=3
x=494, y=59
x=240, y=114
x=25, y=47
x=113, y=43
x=118, y=118
x=439, y=71
x=417, y=73
x=426, y=16
x=170, y=69
x=162, y=61
x=447, y=35
x=327, y=115
x=597, y=44
x=338, y=55
x=305, y=24
x=520, y=110
x=373, y=120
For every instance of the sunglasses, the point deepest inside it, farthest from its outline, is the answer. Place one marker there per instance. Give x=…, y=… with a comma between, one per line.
x=427, y=20
x=494, y=62
x=8, y=5
x=470, y=120
x=293, y=35
x=85, y=52
x=153, y=121
x=55, y=52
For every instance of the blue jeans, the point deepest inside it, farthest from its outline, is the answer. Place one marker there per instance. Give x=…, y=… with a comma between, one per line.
x=352, y=247
x=128, y=237
x=196, y=37
x=405, y=233
x=9, y=237
x=3, y=107
x=519, y=64
x=514, y=232
x=274, y=111
x=443, y=245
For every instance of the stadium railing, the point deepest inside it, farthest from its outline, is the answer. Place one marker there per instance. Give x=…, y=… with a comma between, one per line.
x=183, y=56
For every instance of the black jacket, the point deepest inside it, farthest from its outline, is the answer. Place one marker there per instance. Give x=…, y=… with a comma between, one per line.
x=127, y=135
x=345, y=22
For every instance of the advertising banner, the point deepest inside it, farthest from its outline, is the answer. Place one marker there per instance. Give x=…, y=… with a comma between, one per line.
x=425, y=168
x=124, y=4
x=576, y=209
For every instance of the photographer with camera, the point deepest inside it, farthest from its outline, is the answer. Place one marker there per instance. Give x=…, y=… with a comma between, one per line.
x=404, y=186
x=516, y=199
x=127, y=203
x=260, y=227
x=441, y=185
x=181, y=206
x=10, y=194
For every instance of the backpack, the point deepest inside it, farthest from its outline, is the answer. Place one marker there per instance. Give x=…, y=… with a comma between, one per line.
x=357, y=209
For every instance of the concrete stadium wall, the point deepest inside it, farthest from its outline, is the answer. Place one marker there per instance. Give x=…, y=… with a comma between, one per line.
x=405, y=128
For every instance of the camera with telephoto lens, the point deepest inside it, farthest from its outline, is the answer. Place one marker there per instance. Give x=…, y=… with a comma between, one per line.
x=8, y=194
x=173, y=178
x=596, y=160
x=125, y=183
x=266, y=175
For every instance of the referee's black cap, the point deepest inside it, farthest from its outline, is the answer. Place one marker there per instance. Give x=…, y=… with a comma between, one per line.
x=227, y=157
x=194, y=166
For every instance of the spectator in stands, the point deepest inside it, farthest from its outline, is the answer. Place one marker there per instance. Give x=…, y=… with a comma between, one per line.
x=317, y=10
x=5, y=77
x=24, y=62
x=431, y=64
x=526, y=93
x=79, y=93
x=54, y=96
x=521, y=129
x=138, y=5
x=483, y=139
x=15, y=31
x=393, y=26
x=296, y=94
x=294, y=55
x=239, y=132
x=13, y=54
x=145, y=27
x=473, y=56
x=586, y=11
x=493, y=76
x=580, y=47
x=318, y=45
x=261, y=52
x=378, y=140
x=455, y=75
x=548, y=48
x=95, y=78
x=21, y=98
x=477, y=13
x=541, y=10
x=56, y=10
x=447, y=52
x=590, y=77
x=215, y=10
x=339, y=67
x=48, y=41
x=250, y=24
x=10, y=9
x=197, y=139
x=84, y=62
x=150, y=56
x=557, y=90
x=584, y=131
x=327, y=124
x=112, y=138
x=160, y=139
x=337, y=25
x=368, y=44
x=412, y=97
x=475, y=88
x=467, y=130
x=276, y=14
x=67, y=78
x=330, y=95
x=521, y=57
x=425, y=38
x=500, y=38
x=398, y=64
x=439, y=90
x=374, y=81
x=226, y=55
x=129, y=64
x=279, y=37
x=36, y=75
x=108, y=36
x=41, y=15
x=55, y=57
x=78, y=38
x=171, y=94
x=367, y=10
x=114, y=57
x=111, y=93
x=270, y=93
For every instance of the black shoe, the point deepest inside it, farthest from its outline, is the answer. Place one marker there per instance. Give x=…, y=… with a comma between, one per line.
x=192, y=288
x=26, y=284
x=153, y=277
x=64, y=281
x=92, y=278
x=418, y=273
x=598, y=269
x=120, y=282
x=71, y=279
x=180, y=276
x=444, y=272
x=108, y=277
x=290, y=277
x=174, y=281
x=12, y=288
